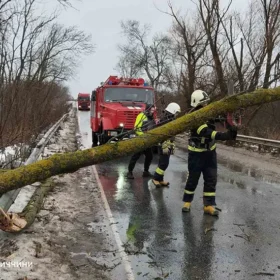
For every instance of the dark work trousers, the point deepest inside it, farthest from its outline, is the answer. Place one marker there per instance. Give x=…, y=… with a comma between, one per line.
x=163, y=163
x=148, y=159
x=205, y=163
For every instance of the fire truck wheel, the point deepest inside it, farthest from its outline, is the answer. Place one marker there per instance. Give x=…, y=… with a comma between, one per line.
x=94, y=139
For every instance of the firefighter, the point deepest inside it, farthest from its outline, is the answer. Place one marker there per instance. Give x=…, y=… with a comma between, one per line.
x=167, y=147
x=202, y=157
x=144, y=121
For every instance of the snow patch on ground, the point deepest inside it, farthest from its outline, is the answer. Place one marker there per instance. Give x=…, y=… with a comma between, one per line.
x=71, y=237
x=22, y=199
x=13, y=155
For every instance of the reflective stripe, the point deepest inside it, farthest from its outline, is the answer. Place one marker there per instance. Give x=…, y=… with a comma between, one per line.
x=213, y=147
x=200, y=128
x=202, y=140
x=193, y=149
x=189, y=192
x=209, y=194
x=159, y=171
x=213, y=134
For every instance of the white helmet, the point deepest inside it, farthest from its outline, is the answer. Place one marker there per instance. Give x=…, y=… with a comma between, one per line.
x=173, y=108
x=199, y=97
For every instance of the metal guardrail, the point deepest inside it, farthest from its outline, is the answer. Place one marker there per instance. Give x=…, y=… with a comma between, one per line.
x=259, y=141
x=45, y=139
x=250, y=139
x=7, y=199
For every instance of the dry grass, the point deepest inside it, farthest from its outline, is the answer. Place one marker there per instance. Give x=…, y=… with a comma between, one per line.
x=27, y=108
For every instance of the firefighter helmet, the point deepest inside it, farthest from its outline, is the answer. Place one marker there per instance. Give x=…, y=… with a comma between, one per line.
x=199, y=97
x=173, y=108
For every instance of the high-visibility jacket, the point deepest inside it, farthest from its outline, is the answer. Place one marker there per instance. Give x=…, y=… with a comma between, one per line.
x=203, y=138
x=143, y=123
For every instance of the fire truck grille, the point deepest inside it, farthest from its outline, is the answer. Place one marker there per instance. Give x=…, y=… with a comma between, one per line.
x=128, y=118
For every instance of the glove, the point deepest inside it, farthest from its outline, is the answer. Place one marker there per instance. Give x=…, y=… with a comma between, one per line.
x=233, y=132
x=165, y=147
x=172, y=148
x=165, y=150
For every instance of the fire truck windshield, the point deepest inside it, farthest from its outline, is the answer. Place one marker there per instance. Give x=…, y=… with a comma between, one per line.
x=129, y=94
x=83, y=98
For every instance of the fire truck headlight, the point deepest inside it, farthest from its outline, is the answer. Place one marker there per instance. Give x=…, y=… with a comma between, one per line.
x=121, y=124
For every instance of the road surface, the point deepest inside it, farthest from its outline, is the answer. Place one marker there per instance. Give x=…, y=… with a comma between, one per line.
x=163, y=243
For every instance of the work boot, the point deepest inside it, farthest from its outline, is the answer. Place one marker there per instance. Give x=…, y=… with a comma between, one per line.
x=164, y=184
x=147, y=174
x=211, y=210
x=129, y=175
x=156, y=183
x=186, y=207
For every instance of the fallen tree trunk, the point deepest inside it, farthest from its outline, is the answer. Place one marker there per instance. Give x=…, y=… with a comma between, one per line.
x=36, y=202
x=10, y=222
x=16, y=222
x=70, y=162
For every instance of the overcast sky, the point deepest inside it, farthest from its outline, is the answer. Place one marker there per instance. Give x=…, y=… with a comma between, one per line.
x=101, y=19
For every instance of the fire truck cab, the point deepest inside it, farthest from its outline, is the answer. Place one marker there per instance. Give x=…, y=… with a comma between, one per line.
x=83, y=101
x=115, y=105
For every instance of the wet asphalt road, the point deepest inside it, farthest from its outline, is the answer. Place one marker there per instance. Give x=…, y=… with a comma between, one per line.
x=163, y=242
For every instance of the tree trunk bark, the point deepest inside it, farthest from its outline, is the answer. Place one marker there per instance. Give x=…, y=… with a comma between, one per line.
x=36, y=202
x=70, y=162
x=13, y=222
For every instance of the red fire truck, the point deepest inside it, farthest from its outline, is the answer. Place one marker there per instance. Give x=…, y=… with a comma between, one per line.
x=115, y=106
x=84, y=101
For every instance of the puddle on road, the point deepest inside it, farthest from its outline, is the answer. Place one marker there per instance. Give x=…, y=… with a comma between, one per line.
x=264, y=176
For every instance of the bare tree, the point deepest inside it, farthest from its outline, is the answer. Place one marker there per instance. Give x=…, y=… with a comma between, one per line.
x=260, y=31
x=36, y=54
x=271, y=18
x=59, y=52
x=253, y=37
x=127, y=67
x=191, y=42
x=211, y=16
x=152, y=58
x=66, y=3
x=237, y=66
x=254, y=47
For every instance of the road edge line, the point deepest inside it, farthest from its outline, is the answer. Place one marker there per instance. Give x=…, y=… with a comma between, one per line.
x=123, y=254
